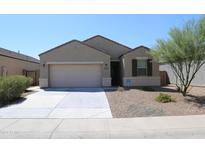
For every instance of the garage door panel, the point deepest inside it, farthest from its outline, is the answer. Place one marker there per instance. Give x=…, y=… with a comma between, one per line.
x=75, y=75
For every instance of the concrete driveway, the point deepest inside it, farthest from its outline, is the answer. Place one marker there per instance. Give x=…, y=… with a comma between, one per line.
x=61, y=103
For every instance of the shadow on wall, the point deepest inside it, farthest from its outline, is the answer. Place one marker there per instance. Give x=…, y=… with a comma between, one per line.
x=112, y=89
x=74, y=89
x=142, y=88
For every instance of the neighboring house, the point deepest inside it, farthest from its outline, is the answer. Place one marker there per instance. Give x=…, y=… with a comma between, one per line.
x=199, y=79
x=96, y=62
x=12, y=63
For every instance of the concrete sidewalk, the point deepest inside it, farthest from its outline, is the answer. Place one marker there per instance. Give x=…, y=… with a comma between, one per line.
x=149, y=127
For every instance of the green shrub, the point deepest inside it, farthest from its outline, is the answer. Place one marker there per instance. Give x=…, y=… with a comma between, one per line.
x=11, y=87
x=121, y=89
x=164, y=98
x=29, y=82
x=148, y=89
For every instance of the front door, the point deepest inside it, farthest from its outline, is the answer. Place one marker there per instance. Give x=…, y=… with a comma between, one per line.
x=115, y=73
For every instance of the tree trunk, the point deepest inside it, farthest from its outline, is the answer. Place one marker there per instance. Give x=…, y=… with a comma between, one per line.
x=184, y=91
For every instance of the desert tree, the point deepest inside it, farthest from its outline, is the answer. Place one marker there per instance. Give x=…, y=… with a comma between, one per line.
x=184, y=51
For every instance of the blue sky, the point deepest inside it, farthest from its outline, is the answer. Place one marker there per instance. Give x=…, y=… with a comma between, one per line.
x=33, y=34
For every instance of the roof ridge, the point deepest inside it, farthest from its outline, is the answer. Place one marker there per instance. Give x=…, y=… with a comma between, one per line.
x=95, y=48
x=57, y=46
x=108, y=40
x=141, y=46
x=74, y=40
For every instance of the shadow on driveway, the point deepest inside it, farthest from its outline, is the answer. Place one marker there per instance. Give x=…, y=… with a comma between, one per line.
x=74, y=89
x=7, y=104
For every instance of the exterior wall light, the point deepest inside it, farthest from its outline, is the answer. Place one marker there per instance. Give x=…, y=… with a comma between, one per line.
x=106, y=67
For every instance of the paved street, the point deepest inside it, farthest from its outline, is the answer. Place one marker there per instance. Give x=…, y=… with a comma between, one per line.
x=149, y=127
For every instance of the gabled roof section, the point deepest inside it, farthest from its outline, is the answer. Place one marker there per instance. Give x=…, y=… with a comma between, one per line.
x=100, y=36
x=52, y=49
x=141, y=46
x=108, y=46
x=19, y=56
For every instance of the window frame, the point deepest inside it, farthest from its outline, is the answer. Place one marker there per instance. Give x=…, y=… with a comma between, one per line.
x=146, y=66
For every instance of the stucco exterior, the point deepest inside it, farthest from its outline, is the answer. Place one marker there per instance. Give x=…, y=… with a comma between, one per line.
x=12, y=63
x=74, y=52
x=199, y=79
x=126, y=64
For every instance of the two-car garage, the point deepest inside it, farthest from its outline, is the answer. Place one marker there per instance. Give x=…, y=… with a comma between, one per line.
x=74, y=64
x=75, y=75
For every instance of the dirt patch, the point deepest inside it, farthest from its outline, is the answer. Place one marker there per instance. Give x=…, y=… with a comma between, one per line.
x=138, y=103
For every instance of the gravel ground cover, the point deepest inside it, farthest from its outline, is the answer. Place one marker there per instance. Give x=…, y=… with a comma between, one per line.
x=135, y=102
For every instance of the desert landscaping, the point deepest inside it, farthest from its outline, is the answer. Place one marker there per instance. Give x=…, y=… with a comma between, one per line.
x=139, y=102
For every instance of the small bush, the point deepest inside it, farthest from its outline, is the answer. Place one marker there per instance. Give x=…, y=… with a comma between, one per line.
x=164, y=98
x=121, y=89
x=148, y=89
x=29, y=82
x=11, y=87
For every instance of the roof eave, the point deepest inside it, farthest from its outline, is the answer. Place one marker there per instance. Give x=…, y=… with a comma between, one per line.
x=141, y=46
x=69, y=43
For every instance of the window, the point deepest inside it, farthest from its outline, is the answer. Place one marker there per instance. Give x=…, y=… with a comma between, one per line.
x=141, y=67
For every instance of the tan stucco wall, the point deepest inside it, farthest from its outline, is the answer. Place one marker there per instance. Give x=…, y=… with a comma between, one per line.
x=127, y=68
x=16, y=66
x=199, y=79
x=111, y=48
x=141, y=81
x=140, y=52
x=73, y=52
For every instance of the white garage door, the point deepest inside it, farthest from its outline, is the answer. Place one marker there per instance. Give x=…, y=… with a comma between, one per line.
x=76, y=75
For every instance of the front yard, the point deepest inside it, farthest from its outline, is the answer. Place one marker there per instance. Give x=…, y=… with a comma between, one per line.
x=136, y=102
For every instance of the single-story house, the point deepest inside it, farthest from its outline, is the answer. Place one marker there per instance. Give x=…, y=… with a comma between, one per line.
x=13, y=63
x=96, y=62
